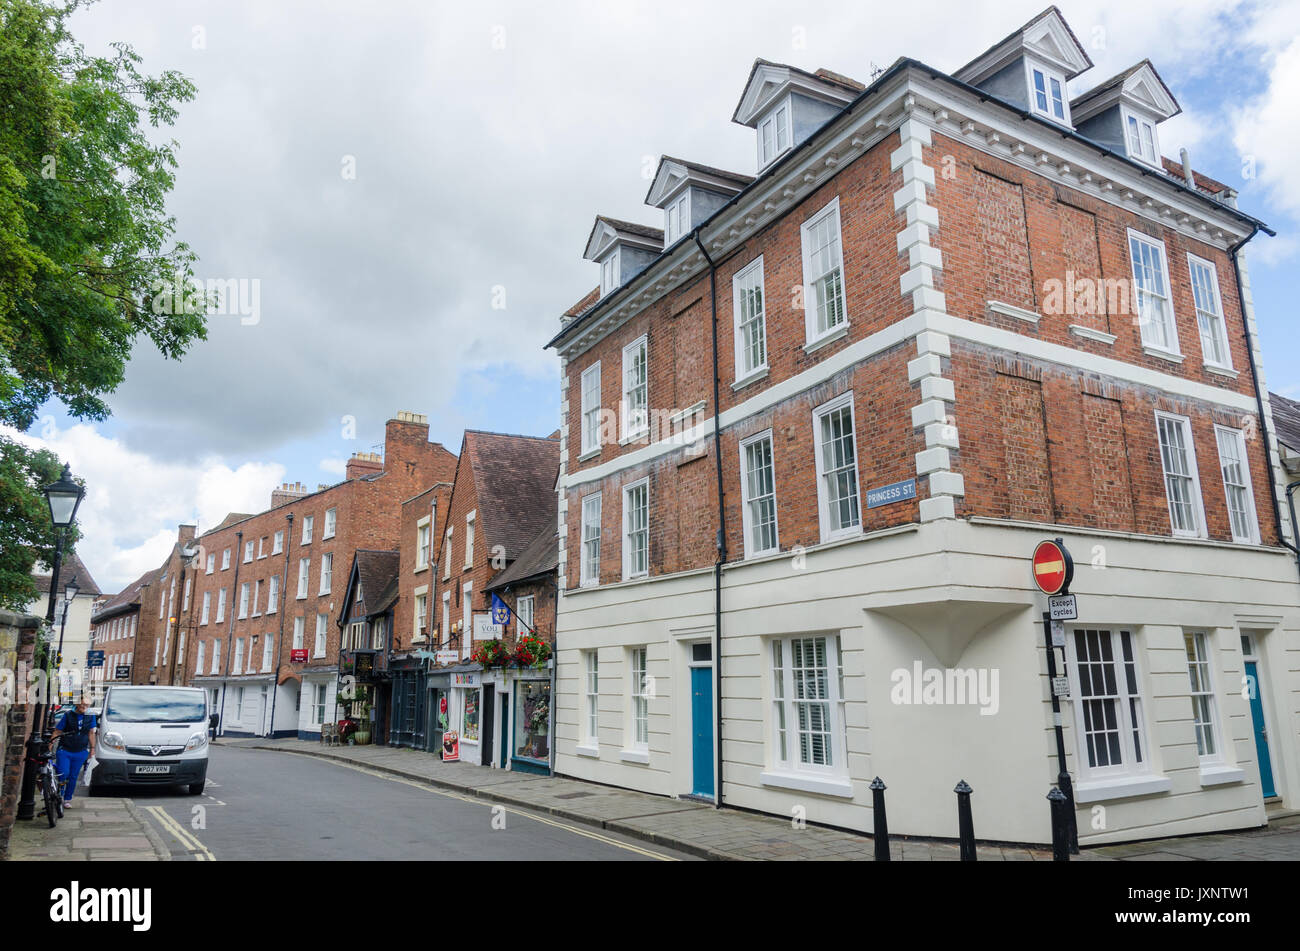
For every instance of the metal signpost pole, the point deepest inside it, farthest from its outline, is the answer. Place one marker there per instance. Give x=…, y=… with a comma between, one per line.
x=1063, y=775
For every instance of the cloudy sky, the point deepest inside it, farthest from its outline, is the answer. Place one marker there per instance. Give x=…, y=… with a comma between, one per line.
x=387, y=172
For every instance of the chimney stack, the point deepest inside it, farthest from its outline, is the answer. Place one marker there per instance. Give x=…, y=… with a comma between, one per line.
x=364, y=464
x=287, y=492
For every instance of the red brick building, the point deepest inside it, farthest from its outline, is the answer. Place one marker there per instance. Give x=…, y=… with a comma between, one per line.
x=810, y=441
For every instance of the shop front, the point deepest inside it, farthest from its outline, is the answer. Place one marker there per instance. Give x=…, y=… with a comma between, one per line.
x=529, y=726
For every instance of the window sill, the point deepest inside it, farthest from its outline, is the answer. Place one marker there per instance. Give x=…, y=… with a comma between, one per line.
x=589, y=454
x=1169, y=355
x=826, y=786
x=634, y=437
x=641, y=576
x=634, y=756
x=592, y=751
x=421, y=568
x=812, y=346
x=1221, y=371
x=752, y=377
x=1219, y=774
x=1106, y=789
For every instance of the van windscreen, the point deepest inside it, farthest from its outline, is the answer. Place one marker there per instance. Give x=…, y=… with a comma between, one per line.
x=154, y=706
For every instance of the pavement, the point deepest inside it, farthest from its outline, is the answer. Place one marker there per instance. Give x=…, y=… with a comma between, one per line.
x=92, y=830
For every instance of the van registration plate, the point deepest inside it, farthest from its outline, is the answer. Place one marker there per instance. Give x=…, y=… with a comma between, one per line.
x=153, y=769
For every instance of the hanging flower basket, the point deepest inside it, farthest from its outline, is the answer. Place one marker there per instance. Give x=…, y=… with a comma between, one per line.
x=493, y=653
x=531, y=652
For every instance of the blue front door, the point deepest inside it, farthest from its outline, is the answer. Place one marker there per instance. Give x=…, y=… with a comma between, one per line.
x=1261, y=734
x=702, y=730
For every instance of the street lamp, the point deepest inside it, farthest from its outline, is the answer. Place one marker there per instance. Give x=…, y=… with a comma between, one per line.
x=69, y=595
x=63, y=497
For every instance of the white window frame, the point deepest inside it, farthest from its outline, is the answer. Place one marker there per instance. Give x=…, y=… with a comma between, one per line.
x=823, y=498
x=257, y=597
x=1134, y=760
x=421, y=618
x=1218, y=335
x=248, y=551
x=1238, y=441
x=239, y=656
x=1200, y=675
x=207, y=607
x=261, y=546
x=591, y=695
x=320, y=700
x=590, y=386
x=216, y=657
x=299, y=633
x=609, y=272
x=784, y=751
x=470, y=519
x=638, y=695
x=746, y=281
x=747, y=500
x=277, y=542
x=308, y=523
x=813, y=333
x=212, y=563
x=589, y=568
x=225, y=560
x=467, y=618
x=326, y=573
x=273, y=594
x=244, y=594
x=198, y=657
x=221, y=607
x=524, y=607
x=628, y=572
x=423, y=531
x=444, y=635
x=304, y=577
x=321, y=643
x=1147, y=153
x=1157, y=246
x=1185, y=427
x=778, y=121
x=636, y=421
x=1049, y=76
x=268, y=649
x=331, y=523
x=677, y=218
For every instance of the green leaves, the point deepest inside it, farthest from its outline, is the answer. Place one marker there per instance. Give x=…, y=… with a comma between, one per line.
x=29, y=535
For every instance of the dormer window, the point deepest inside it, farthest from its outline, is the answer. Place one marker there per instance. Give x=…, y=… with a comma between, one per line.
x=1141, y=137
x=774, y=135
x=677, y=218
x=1048, y=94
x=609, y=273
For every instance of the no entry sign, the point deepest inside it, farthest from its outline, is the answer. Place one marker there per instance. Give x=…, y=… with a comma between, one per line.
x=1052, y=567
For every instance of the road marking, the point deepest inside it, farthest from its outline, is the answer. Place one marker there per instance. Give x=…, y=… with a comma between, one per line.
x=188, y=842
x=473, y=800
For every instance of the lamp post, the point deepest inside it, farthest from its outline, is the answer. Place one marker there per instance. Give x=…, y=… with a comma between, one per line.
x=63, y=497
x=69, y=593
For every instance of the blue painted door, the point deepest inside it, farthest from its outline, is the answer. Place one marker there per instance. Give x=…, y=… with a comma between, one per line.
x=702, y=730
x=1261, y=734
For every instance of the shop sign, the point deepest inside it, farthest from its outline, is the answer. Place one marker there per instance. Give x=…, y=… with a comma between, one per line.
x=465, y=680
x=446, y=657
x=484, y=629
x=298, y=655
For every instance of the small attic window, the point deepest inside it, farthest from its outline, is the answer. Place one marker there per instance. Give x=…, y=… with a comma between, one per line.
x=609, y=273
x=1047, y=94
x=1140, y=135
x=677, y=218
x=774, y=134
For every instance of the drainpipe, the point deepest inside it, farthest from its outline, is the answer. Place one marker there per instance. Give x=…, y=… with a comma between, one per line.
x=1259, y=403
x=282, y=607
x=722, y=529
x=230, y=631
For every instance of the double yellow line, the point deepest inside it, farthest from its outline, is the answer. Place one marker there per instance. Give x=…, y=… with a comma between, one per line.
x=182, y=835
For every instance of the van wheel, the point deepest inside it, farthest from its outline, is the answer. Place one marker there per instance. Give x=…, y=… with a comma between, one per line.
x=196, y=789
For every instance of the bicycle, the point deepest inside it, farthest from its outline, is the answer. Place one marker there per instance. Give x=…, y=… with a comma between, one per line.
x=47, y=780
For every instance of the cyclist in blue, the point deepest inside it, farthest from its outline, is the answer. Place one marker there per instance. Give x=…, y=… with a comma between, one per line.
x=79, y=730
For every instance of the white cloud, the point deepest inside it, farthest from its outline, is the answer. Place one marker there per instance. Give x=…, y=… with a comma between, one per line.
x=1267, y=130
x=334, y=466
x=134, y=503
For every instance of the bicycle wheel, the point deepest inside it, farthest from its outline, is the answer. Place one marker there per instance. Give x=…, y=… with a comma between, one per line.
x=51, y=803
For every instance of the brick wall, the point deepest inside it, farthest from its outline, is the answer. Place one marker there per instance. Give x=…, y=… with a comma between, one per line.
x=17, y=649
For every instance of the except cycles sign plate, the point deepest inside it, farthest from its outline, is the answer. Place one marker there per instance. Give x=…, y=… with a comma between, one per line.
x=1063, y=607
x=1052, y=567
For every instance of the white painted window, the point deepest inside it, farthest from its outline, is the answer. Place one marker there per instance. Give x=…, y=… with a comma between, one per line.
x=318, y=649
x=1108, y=704
x=299, y=633
x=467, y=618
x=421, y=613
x=319, y=694
x=307, y=523
x=207, y=607
x=807, y=713
x=677, y=218
x=591, y=722
x=185, y=598
x=198, y=658
x=823, y=272
x=1048, y=93
x=304, y=568
x=837, y=468
x=640, y=708
x=1155, y=309
x=636, y=389
x=212, y=564
x=248, y=552
x=257, y=598
x=1204, y=714
x=225, y=560
x=524, y=615
x=1236, y=484
x=591, y=408
x=331, y=522
x=1209, y=313
x=1182, y=482
x=243, y=600
x=239, y=656
x=445, y=634
x=221, y=606
x=609, y=273
x=774, y=134
x=446, y=553
x=422, y=544
x=273, y=595
x=1143, y=145
x=590, y=564
x=326, y=573
x=758, y=493
x=162, y=606
x=267, y=646
x=469, y=539
x=750, y=319
x=636, y=529
x=216, y=657
x=261, y=545
x=277, y=545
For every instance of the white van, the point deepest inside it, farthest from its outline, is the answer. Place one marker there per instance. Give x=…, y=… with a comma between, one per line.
x=152, y=736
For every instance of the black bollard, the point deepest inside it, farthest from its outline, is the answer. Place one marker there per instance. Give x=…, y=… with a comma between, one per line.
x=1060, y=825
x=882, y=827
x=965, y=825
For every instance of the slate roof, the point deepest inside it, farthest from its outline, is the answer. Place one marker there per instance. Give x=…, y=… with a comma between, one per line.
x=230, y=519
x=72, y=567
x=645, y=231
x=542, y=557
x=514, y=477
x=740, y=179
x=129, y=595
x=1286, y=420
x=377, y=571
